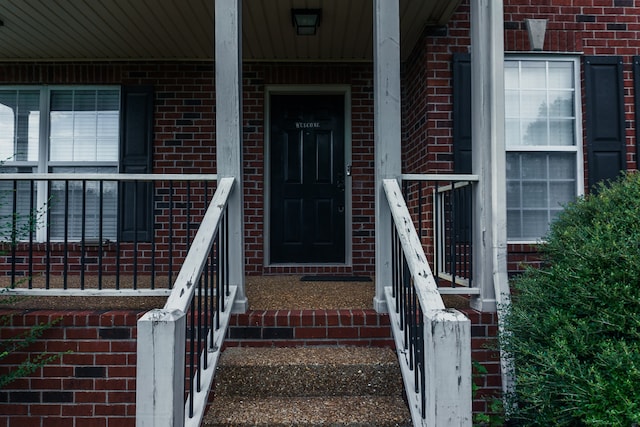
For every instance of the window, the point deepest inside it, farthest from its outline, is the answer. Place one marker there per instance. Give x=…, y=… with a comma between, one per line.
x=542, y=131
x=62, y=130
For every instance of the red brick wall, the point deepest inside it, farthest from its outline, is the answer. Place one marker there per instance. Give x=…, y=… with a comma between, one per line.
x=484, y=330
x=94, y=385
x=296, y=328
x=91, y=386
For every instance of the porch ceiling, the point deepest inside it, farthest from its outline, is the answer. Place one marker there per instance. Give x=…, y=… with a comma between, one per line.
x=172, y=29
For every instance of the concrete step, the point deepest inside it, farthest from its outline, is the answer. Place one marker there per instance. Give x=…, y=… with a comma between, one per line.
x=309, y=411
x=308, y=386
x=308, y=371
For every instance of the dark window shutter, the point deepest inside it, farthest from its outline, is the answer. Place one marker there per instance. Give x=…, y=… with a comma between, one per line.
x=604, y=94
x=462, y=159
x=461, y=74
x=136, y=150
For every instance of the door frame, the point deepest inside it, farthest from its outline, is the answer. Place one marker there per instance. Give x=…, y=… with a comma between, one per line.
x=345, y=91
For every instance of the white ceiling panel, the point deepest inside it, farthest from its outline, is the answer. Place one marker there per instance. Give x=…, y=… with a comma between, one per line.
x=183, y=29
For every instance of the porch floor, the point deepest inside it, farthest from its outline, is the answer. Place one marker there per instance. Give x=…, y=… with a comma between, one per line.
x=263, y=293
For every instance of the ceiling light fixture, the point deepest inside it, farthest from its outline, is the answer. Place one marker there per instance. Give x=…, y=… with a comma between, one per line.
x=306, y=21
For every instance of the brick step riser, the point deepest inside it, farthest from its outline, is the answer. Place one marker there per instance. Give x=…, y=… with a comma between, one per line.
x=293, y=328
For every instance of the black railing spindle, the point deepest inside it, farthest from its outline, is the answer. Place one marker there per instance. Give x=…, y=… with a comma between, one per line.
x=170, y=269
x=66, y=234
x=100, y=230
x=33, y=224
x=136, y=186
x=14, y=232
x=83, y=224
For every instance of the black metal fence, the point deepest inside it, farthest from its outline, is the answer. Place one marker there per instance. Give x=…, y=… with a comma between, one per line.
x=104, y=232
x=204, y=315
x=442, y=209
x=411, y=318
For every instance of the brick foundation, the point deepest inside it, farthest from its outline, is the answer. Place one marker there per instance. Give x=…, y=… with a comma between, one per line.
x=94, y=385
x=91, y=386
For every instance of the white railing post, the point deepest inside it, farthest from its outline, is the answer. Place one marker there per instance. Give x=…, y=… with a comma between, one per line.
x=447, y=338
x=387, y=131
x=228, y=66
x=160, y=367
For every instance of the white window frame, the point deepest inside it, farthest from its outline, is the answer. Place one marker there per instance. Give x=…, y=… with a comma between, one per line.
x=576, y=148
x=43, y=164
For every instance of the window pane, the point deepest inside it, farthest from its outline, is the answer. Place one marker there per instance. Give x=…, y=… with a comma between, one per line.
x=84, y=125
x=562, y=166
x=561, y=132
x=534, y=74
x=561, y=193
x=534, y=194
x=537, y=185
x=561, y=74
x=560, y=104
x=513, y=194
x=535, y=132
x=19, y=125
x=534, y=166
x=512, y=104
x=535, y=224
x=511, y=75
x=512, y=133
x=514, y=223
x=513, y=167
x=534, y=104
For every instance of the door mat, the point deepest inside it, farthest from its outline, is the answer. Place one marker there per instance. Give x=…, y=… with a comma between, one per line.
x=323, y=278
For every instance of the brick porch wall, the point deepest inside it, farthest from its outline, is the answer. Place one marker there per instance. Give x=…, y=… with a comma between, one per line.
x=94, y=385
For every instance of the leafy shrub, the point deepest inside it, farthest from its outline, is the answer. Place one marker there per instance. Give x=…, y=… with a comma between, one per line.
x=573, y=329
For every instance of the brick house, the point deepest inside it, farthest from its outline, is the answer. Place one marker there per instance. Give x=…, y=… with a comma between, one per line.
x=309, y=118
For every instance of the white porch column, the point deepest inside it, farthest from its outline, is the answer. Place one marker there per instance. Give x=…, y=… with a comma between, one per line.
x=228, y=63
x=387, y=131
x=488, y=148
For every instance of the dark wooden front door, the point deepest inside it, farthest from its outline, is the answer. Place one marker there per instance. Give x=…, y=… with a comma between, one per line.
x=307, y=197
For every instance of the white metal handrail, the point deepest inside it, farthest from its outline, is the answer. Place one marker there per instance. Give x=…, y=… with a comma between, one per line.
x=433, y=343
x=105, y=177
x=160, y=394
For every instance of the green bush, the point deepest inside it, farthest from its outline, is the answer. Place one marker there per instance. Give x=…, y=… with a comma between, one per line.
x=573, y=329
